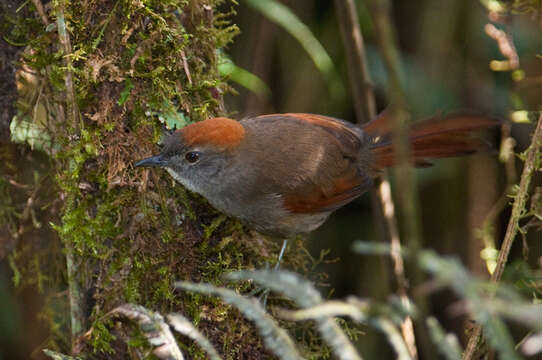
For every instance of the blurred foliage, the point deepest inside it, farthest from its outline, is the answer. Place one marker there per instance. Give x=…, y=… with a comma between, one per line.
x=490, y=304
x=282, y=15
x=243, y=77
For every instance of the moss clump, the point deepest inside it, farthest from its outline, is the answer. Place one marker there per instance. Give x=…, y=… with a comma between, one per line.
x=128, y=235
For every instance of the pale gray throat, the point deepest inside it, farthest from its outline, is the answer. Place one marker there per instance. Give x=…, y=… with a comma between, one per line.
x=187, y=184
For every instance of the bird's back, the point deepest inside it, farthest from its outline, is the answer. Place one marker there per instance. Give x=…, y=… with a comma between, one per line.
x=316, y=170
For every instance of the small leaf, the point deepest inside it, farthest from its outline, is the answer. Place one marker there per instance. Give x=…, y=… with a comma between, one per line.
x=125, y=93
x=51, y=27
x=275, y=338
x=154, y=328
x=172, y=118
x=183, y=326
x=305, y=295
x=284, y=17
x=446, y=343
x=520, y=116
x=243, y=77
x=58, y=356
x=375, y=248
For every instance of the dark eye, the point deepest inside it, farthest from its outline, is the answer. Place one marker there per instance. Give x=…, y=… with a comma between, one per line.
x=192, y=156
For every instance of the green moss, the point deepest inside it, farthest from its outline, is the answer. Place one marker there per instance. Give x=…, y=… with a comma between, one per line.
x=132, y=233
x=101, y=338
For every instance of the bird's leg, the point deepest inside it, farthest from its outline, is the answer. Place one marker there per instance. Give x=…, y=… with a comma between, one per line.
x=265, y=291
x=281, y=254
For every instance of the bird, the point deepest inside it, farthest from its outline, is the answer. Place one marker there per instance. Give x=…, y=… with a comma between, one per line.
x=284, y=174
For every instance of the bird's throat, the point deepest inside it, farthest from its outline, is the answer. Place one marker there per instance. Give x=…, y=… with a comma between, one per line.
x=187, y=184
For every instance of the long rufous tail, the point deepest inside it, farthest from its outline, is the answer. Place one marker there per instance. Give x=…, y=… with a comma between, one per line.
x=437, y=137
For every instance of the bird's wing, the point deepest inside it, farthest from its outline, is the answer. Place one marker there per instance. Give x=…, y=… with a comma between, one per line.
x=327, y=153
x=341, y=192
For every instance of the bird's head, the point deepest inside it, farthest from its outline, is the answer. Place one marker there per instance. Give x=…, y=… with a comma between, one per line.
x=196, y=154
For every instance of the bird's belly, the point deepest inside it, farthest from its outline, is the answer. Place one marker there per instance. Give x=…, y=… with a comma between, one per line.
x=295, y=224
x=265, y=214
x=274, y=220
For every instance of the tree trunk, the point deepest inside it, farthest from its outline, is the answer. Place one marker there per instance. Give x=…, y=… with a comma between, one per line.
x=103, y=78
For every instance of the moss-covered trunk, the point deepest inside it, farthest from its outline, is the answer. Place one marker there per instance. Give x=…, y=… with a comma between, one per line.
x=102, y=80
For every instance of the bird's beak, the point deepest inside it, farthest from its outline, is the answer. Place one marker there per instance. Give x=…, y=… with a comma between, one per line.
x=157, y=161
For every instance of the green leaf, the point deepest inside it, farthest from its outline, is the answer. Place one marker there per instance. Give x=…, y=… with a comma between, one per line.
x=243, y=77
x=154, y=328
x=172, y=118
x=284, y=17
x=58, y=356
x=51, y=27
x=125, y=93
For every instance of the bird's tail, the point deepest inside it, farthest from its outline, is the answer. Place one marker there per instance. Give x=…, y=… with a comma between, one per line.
x=437, y=137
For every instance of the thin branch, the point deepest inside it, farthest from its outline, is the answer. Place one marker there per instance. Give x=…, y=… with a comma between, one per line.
x=185, y=67
x=41, y=11
x=518, y=207
x=407, y=325
x=506, y=47
x=405, y=178
x=364, y=101
x=360, y=79
x=486, y=231
x=72, y=112
x=76, y=295
x=406, y=182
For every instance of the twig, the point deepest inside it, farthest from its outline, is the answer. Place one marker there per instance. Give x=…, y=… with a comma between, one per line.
x=73, y=113
x=362, y=91
x=408, y=200
x=507, y=156
x=366, y=110
x=506, y=47
x=185, y=66
x=407, y=326
x=405, y=180
x=518, y=207
x=261, y=63
x=76, y=296
x=41, y=11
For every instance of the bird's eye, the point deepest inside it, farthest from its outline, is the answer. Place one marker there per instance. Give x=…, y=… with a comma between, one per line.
x=192, y=156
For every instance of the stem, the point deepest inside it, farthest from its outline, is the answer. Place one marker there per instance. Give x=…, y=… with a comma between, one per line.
x=518, y=208
x=72, y=114
x=41, y=11
x=364, y=101
x=404, y=174
x=362, y=90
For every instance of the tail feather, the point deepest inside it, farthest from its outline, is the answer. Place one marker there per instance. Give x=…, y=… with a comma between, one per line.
x=437, y=137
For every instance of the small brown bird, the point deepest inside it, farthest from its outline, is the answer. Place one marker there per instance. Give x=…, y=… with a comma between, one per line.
x=284, y=174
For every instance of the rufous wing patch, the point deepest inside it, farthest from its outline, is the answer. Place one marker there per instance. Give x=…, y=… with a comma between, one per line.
x=321, y=199
x=221, y=132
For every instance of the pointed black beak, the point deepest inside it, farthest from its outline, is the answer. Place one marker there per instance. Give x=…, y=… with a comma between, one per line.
x=151, y=161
